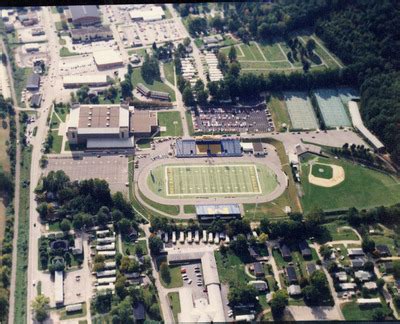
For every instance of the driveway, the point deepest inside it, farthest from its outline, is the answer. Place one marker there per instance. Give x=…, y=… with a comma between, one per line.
x=321, y=313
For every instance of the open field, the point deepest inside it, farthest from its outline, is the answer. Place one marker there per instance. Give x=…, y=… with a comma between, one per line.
x=156, y=85
x=175, y=304
x=272, y=56
x=279, y=111
x=176, y=278
x=180, y=181
x=337, y=233
x=322, y=171
x=362, y=188
x=172, y=121
x=353, y=312
x=4, y=137
x=169, y=72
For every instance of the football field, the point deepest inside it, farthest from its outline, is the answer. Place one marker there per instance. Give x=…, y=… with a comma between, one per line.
x=187, y=181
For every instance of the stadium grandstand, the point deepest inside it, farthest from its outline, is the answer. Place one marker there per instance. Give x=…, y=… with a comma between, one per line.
x=208, y=146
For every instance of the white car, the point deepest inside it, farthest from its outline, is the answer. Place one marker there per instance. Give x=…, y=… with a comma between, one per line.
x=190, y=281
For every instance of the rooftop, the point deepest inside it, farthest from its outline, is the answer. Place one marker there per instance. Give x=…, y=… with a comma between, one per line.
x=226, y=209
x=108, y=56
x=79, y=12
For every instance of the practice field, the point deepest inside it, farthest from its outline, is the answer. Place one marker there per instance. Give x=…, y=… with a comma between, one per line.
x=332, y=109
x=188, y=181
x=361, y=188
x=300, y=110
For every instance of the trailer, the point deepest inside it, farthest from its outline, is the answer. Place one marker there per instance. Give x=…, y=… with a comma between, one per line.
x=227, y=239
x=204, y=236
x=196, y=236
x=174, y=237
x=106, y=273
x=216, y=239
x=165, y=237
x=190, y=237
x=210, y=237
x=181, y=237
x=108, y=280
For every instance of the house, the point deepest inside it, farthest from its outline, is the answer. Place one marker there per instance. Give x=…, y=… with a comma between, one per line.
x=382, y=250
x=286, y=253
x=33, y=82
x=139, y=312
x=370, y=285
x=258, y=269
x=36, y=100
x=341, y=276
x=347, y=286
x=252, y=252
x=357, y=263
x=294, y=290
x=363, y=275
x=133, y=235
x=305, y=250
x=355, y=252
x=291, y=275
x=311, y=268
x=259, y=285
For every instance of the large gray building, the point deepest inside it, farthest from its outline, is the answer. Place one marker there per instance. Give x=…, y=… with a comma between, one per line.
x=84, y=15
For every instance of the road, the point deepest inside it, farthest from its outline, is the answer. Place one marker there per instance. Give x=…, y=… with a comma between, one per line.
x=51, y=81
x=17, y=188
x=196, y=52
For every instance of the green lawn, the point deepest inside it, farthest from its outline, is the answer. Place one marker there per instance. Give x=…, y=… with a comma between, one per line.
x=189, y=122
x=176, y=278
x=57, y=142
x=383, y=239
x=62, y=112
x=175, y=304
x=169, y=209
x=157, y=85
x=362, y=188
x=322, y=171
x=20, y=76
x=131, y=247
x=353, y=312
x=189, y=209
x=338, y=234
x=231, y=269
x=279, y=112
x=23, y=238
x=172, y=121
x=169, y=72
x=272, y=52
x=64, y=52
x=141, y=52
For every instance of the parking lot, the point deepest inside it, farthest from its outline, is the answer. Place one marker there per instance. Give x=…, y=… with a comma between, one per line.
x=193, y=278
x=238, y=120
x=113, y=169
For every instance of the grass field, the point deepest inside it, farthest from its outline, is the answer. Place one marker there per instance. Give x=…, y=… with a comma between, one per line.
x=175, y=304
x=362, y=188
x=353, y=312
x=169, y=209
x=157, y=85
x=64, y=52
x=172, y=121
x=57, y=142
x=176, y=278
x=169, y=72
x=279, y=112
x=231, y=269
x=4, y=137
x=322, y=171
x=180, y=181
x=131, y=247
x=337, y=233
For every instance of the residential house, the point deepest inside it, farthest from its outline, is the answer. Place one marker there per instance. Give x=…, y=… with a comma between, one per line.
x=291, y=275
x=305, y=250
x=286, y=253
x=258, y=269
x=382, y=250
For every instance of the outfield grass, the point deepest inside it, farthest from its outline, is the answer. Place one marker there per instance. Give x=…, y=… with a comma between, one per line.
x=172, y=121
x=279, y=112
x=176, y=278
x=169, y=209
x=353, y=312
x=362, y=188
x=169, y=72
x=275, y=208
x=180, y=181
x=64, y=52
x=157, y=85
x=174, y=301
x=322, y=171
x=23, y=239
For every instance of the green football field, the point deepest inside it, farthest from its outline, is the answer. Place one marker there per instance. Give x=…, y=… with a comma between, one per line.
x=188, y=181
x=362, y=188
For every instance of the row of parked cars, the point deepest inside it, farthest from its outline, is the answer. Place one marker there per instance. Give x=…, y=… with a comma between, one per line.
x=199, y=276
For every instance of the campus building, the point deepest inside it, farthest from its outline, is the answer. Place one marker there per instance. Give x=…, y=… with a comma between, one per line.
x=153, y=13
x=76, y=81
x=107, y=126
x=211, y=212
x=158, y=95
x=90, y=34
x=84, y=15
x=208, y=146
x=107, y=59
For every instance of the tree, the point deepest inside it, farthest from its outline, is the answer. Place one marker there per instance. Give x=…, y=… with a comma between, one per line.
x=188, y=97
x=378, y=315
x=311, y=295
x=126, y=89
x=242, y=294
x=368, y=245
x=102, y=301
x=396, y=269
x=120, y=285
x=310, y=46
x=240, y=245
x=202, y=97
x=278, y=303
x=186, y=41
x=264, y=225
x=232, y=54
x=262, y=238
x=42, y=209
x=164, y=272
x=40, y=306
x=234, y=69
x=123, y=313
x=65, y=225
x=325, y=251
x=3, y=302
x=155, y=245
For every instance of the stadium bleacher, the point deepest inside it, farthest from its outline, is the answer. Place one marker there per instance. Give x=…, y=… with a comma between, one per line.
x=208, y=147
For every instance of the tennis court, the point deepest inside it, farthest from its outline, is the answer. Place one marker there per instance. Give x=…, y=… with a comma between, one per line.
x=186, y=181
x=300, y=110
x=332, y=109
x=347, y=94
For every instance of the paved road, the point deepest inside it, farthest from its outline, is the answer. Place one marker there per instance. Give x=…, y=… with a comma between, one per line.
x=17, y=189
x=49, y=94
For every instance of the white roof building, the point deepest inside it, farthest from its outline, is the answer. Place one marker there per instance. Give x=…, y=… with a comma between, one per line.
x=152, y=13
x=359, y=124
x=294, y=290
x=107, y=58
x=90, y=80
x=368, y=301
x=59, y=287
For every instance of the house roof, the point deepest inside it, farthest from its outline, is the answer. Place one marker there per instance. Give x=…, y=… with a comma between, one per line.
x=258, y=268
x=285, y=251
x=311, y=267
x=33, y=81
x=357, y=263
x=305, y=249
x=382, y=249
x=294, y=290
x=291, y=273
x=36, y=99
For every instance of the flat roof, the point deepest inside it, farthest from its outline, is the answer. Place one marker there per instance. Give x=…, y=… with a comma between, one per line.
x=90, y=30
x=79, y=12
x=59, y=287
x=258, y=147
x=108, y=56
x=142, y=121
x=359, y=124
x=84, y=79
x=225, y=209
x=152, y=13
x=110, y=143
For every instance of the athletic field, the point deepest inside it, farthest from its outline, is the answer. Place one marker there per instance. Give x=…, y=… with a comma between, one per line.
x=188, y=181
